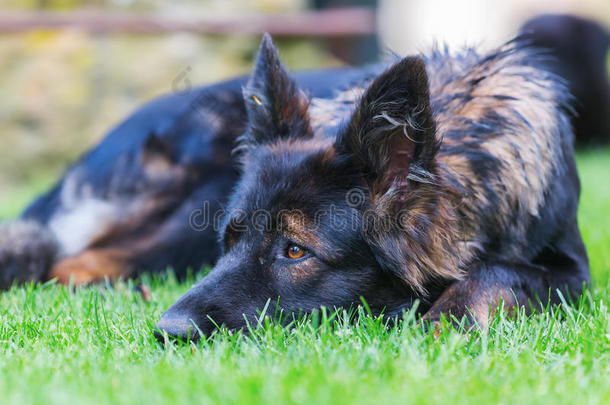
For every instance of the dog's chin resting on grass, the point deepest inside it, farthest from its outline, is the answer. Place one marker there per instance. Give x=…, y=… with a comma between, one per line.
x=27, y=250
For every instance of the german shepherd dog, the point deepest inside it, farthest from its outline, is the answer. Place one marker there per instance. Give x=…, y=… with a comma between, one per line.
x=447, y=179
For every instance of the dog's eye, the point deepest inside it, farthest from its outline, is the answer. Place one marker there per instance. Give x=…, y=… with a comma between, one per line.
x=295, y=252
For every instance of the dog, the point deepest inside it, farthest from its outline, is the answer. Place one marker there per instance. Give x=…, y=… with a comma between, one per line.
x=447, y=179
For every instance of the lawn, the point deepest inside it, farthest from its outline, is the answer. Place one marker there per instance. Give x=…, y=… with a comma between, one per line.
x=94, y=345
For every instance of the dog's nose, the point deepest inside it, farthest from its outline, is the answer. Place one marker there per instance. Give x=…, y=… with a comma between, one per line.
x=179, y=327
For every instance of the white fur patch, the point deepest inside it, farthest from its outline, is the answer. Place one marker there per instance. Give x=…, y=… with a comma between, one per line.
x=76, y=228
x=82, y=217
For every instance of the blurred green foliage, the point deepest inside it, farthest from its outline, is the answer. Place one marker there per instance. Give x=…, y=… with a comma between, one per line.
x=61, y=91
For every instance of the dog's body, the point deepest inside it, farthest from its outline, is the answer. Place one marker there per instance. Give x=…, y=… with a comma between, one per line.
x=448, y=179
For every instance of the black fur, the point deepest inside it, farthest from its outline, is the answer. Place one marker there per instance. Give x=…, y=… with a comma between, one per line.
x=26, y=251
x=448, y=179
x=466, y=237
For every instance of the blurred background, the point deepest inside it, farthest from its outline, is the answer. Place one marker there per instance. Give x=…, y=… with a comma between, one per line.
x=71, y=69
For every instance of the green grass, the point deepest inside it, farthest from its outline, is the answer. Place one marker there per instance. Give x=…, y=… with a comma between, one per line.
x=93, y=345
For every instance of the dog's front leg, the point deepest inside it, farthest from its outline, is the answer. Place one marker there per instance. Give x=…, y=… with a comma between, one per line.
x=480, y=294
x=561, y=267
x=487, y=285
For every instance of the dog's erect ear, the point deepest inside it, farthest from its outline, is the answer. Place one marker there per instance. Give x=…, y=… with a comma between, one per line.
x=391, y=135
x=392, y=138
x=276, y=108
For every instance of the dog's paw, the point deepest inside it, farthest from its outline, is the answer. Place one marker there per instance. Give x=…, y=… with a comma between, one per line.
x=27, y=252
x=433, y=326
x=436, y=321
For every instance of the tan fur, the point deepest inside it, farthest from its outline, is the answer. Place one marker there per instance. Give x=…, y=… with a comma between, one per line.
x=90, y=266
x=525, y=146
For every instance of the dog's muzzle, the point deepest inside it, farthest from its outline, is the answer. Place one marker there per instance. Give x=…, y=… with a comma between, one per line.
x=176, y=326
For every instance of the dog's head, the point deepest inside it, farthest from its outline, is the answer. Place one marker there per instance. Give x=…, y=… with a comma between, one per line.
x=327, y=219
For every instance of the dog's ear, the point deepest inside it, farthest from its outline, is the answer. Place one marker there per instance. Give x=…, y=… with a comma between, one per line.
x=392, y=134
x=391, y=137
x=276, y=108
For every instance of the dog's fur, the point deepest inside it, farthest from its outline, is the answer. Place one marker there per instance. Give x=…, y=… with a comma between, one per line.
x=126, y=205
x=468, y=184
x=27, y=250
x=444, y=178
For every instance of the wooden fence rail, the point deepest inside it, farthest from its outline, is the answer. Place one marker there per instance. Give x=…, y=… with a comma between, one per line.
x=341, y=22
